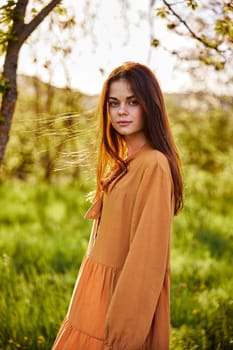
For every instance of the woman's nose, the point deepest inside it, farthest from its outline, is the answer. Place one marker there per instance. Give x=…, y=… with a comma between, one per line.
x=122, y=109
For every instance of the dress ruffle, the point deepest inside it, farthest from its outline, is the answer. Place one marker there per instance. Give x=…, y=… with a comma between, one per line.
x=83, y=326
x=69, y=338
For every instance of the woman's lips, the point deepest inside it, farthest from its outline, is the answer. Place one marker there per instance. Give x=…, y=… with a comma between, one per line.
x=123, y=123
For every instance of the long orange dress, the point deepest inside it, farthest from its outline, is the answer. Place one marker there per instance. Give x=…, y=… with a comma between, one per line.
x=121, y=297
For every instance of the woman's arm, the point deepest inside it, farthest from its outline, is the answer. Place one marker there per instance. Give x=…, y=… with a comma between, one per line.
x=139, y=286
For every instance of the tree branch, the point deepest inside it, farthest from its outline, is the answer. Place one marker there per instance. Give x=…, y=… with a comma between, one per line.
x=29, y=28
x=193, y=34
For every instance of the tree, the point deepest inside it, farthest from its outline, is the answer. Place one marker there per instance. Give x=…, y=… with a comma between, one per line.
x=13, y=16
x=208, y=23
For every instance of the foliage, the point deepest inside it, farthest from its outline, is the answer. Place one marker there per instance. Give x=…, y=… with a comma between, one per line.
x=54, y=131
x=6, y=21
x=8, y=14
x=204, y=132
x=214, y=37
x=44, y=236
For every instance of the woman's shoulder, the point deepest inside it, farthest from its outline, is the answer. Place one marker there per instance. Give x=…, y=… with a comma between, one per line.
x=155, y=158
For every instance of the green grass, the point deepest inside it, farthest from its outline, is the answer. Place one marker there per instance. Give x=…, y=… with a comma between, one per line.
x=202, y=260
x=43, y=237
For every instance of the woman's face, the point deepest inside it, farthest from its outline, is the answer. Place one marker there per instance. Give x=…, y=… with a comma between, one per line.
x=125, y=112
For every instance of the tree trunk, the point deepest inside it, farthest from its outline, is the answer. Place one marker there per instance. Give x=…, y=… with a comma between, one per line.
x=20, y=32
x=9, y=97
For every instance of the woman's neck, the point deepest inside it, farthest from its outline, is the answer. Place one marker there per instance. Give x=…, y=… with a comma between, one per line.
x=134, y=145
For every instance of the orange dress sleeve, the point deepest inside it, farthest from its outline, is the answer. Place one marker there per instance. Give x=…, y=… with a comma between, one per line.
x=138, y=289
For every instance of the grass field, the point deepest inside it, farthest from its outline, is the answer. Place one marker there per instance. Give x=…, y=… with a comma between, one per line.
x=43, y=237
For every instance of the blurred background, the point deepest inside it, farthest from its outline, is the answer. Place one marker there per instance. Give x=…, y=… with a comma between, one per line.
x=57, y=55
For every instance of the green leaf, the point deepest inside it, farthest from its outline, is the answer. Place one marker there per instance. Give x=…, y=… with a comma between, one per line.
x=161, y=12
x=224, y=27
x=155, y=42
x=34, y=11
x=228, y=7
x=61, y=10
x=171, y=26
x=192, y=3
x=211, y=61
x=7, y=11
x=219, y=65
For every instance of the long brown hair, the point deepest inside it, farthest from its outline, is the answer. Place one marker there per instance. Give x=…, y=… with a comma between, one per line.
x=157, y=129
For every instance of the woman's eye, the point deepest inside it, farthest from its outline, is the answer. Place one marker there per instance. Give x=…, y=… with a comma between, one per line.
x=133, y=102
x=113, y=103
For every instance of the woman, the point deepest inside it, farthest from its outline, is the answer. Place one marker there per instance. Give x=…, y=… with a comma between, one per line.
x=121, y=298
